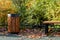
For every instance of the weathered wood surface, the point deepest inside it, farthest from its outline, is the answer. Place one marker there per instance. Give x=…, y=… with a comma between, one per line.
x=51, y=22
x=13, y=24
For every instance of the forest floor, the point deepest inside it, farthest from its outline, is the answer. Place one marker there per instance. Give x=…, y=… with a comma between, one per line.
x=30, y=34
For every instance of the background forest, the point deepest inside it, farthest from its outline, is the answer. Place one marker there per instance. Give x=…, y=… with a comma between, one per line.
x=31, y=12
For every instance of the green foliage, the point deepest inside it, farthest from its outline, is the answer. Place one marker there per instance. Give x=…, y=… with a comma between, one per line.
x=32, y=11
x=36, y=11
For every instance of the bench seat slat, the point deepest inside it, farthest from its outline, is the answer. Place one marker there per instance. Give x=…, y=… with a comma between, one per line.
x=51, y=22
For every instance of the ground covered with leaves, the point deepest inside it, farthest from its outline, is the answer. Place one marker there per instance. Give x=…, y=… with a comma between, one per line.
x=30, y=34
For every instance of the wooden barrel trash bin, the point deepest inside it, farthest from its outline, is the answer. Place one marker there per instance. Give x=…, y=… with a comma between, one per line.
x=13, y=23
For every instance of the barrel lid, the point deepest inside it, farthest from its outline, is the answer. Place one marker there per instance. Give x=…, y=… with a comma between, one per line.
x=13, y=15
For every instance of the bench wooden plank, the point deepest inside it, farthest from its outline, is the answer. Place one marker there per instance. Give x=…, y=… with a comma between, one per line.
x=51, y=22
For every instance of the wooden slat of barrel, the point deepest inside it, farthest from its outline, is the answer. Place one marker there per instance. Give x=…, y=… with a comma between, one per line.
x=13, y=24
x=9, y=25
x=17, y=24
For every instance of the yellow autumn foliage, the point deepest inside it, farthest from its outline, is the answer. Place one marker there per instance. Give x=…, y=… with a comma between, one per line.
x=6, y=5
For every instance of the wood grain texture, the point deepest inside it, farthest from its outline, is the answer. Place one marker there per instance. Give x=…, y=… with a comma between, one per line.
x=13, y=24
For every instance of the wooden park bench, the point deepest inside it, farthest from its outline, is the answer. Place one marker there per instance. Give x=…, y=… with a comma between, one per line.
x=51, y=23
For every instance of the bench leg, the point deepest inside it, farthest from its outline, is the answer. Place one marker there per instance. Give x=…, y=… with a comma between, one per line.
x=46, y=29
